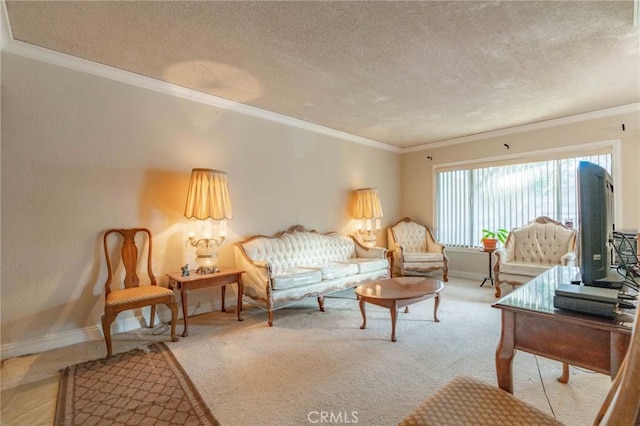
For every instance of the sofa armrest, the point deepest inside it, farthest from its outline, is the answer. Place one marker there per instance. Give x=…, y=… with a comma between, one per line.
x=568, y=259
x=257, y=272
x=370, y=252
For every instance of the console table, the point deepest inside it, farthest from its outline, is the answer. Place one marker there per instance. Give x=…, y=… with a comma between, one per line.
x=195, y=281
x=530, y=323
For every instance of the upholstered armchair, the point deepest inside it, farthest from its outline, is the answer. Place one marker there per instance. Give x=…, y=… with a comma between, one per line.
x=532, y=249
x=415, y=251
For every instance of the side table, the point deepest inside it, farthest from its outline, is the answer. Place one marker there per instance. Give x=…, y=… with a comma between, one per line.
x=490, y=277
x=224, y=276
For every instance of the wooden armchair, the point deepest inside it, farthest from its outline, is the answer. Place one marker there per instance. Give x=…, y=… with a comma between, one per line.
x=415, y=251
x=133, y=295
x=466, y=400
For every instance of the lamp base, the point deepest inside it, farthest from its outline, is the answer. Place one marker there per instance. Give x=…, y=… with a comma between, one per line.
x=206, y=270
x=207, y=258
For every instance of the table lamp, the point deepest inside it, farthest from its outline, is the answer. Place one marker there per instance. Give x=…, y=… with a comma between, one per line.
x=208, y=199
x=368, y=207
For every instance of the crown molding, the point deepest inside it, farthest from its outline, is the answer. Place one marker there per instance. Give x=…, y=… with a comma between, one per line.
x=9, y=45
x=77, y=64
x=570, y=119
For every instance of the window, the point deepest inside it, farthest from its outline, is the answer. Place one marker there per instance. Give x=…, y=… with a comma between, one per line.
x=506, y=197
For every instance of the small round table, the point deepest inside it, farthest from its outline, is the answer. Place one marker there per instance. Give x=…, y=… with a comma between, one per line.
x=394, y=293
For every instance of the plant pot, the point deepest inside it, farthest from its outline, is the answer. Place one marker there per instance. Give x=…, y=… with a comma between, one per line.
x=489, y=244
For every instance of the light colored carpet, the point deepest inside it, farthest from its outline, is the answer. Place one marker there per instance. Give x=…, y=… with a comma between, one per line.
x=312, y=362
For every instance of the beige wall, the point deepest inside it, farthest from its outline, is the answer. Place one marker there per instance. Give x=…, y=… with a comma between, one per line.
x=417, y=170
x=81, y=154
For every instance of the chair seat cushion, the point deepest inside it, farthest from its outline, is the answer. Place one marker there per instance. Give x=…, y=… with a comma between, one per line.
x=469, y=401
x=295, y=277
x=367, y=265
x=335, y=270
x=423, y=257
x=136, y=294
x=521, y=268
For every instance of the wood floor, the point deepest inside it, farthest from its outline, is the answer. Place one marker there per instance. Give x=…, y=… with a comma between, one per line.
x=30, y=404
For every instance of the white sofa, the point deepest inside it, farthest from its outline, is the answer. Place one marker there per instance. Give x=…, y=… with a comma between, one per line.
x=298, y=263
x=532, y=249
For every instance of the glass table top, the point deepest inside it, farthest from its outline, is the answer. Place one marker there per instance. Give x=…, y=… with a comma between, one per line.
x=537, y=296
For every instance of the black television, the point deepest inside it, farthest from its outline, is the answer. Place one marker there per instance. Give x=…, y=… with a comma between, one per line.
x=596, y=226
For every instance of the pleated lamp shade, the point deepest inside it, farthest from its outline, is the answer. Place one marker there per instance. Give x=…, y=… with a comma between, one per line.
x=367, y=204
x=208, y=195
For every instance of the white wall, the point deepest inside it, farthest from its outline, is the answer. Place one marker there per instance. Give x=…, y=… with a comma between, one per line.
x=81, y=154
x=418, y=175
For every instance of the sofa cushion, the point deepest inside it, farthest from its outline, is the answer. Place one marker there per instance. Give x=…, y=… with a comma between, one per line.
x=423, y=257
x=335, y=270
x=367, y=265
x=294, y=277
x=521, y=268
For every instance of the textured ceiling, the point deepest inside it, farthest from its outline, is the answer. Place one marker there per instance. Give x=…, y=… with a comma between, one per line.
x=401, y=73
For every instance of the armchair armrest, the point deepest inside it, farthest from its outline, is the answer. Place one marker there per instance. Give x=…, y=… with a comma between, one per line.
x=502, y=256
x=435, y=247
x=568, y=259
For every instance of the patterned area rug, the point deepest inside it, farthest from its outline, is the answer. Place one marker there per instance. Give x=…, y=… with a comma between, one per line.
x=132, y=388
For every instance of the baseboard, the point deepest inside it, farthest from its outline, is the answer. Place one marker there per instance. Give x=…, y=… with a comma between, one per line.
x=93, y=332
x=66, y=338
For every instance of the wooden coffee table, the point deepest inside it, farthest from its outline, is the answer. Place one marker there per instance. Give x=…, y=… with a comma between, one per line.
x=394, y=293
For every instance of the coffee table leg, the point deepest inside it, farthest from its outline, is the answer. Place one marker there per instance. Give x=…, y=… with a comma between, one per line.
x=435, y=308
x=223, y=291
x=185, y=316
x=364, y=315
x=394, y=317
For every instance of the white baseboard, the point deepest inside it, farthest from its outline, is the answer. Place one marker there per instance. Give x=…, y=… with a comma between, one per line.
x=93, y=332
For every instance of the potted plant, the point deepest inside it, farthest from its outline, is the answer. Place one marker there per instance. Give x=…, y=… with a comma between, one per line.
x=490, y=238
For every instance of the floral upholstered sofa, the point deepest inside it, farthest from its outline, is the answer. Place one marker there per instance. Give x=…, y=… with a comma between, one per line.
x=298, y=263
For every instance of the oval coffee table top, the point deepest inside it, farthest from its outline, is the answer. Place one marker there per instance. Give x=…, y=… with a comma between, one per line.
x=400, y=288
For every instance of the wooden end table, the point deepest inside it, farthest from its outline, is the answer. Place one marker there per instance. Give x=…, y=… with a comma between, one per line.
x=224, y=276
x=394, y=293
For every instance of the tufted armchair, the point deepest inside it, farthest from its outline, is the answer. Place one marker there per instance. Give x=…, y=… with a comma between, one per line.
x=532, y=249
x=415, y=251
